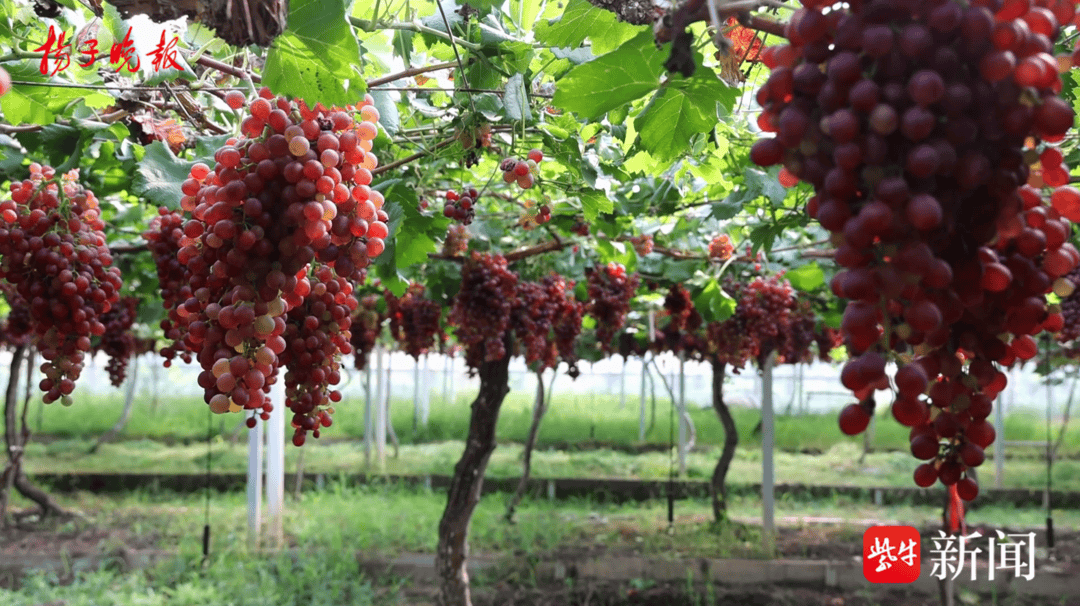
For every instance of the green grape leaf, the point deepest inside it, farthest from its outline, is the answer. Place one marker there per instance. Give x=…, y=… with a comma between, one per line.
x=594, y=202
x=580, y=20
x=33, y=104
x=623, y=75
x=516, y=100
x=314, y=58
x=806, y=277
x=159, y=176
x=678, y=112
x=713, y=303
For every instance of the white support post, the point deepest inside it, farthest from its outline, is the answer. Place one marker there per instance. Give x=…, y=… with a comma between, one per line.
x=622, y=385
x=425, y=408
x=767, y=444
x=368, y=425
x=254, y=482
x=641, y=411
x=380, y=414
x=453, y=388
x=447, y=368
x=416, y=395
x=682, y=415
x=275, y=464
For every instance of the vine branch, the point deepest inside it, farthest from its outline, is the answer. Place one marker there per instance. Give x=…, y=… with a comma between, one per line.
x=408, y=73
x=420, y=154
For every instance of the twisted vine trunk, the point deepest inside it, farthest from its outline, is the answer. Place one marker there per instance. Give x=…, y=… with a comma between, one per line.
x=717, y=486
x=14, y=440
x=464, y=494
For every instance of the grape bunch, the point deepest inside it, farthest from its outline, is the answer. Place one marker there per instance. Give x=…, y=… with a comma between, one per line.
x=163, y=240
x=414, y=321
x=680, y=322
x=285, y=213
x=531, y=220
x=16, y=328
x=721, y=248
x=317, y=333
x=478, y=137
x=457, y=240
x=643, y=244
x=118, y=341
x=610, y=289
x=1069, y=331
x=482, y=307
x=366, y=325
x=53, y=251
x=546, y=319
x=581, y=228
x=915, y=123
x=766, y=306
x=459, y=207
x=522, y=172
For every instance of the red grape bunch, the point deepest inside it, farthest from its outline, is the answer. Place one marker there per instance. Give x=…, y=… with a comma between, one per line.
x=482, y=307
x=317, y=334
x=531, y=220
x=721, y=248
x=643, y=244
x=415, y=321
x=680, y=323
x=546, y=319
x=17, y=327
x=366, y=325
x=1069, y=331
x=915, y=124
x=118, y=342
x=522, y=172
x=278, y=216
x=457, y=240
x=610, y=290
x=163, y=239
x=459, y=207
x=53, y=251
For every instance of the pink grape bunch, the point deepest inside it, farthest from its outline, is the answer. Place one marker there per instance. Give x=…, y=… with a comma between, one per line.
x=522, y=172
x=461, y=206
x=284, y=213
x=52, y=250
x=163, y=239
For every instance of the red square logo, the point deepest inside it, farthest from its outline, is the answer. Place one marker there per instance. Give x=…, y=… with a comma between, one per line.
x=892, y=554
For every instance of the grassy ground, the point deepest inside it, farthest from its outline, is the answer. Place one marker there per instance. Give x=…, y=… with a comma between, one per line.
x=570, y=420
x=329, y=526
x=838, y=466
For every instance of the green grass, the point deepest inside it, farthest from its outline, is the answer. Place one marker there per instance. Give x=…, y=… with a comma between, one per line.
x=328, y=527
x=838, y=466
x=570, y=420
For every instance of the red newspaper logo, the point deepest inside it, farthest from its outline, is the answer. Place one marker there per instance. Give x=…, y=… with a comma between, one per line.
x=892, y=554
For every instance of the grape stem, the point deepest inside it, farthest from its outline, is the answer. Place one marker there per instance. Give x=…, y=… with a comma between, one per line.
x=408, y=73
x=413, y=157
x=225, y=68
x=29, y=128
x=517, y=255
